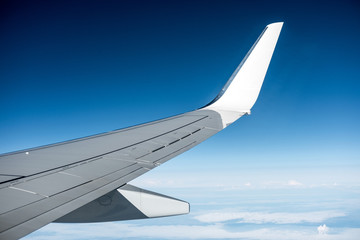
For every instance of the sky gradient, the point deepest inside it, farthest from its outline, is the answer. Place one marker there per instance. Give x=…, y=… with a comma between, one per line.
x=69, y=69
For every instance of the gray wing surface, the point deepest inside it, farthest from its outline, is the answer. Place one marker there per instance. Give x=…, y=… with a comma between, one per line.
x=41, y=185
x=51, y=181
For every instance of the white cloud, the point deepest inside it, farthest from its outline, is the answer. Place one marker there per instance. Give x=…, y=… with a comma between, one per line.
x=248, y=184
x=294, y=183
x=213, y=231
x=323, y=229
x=264, y=217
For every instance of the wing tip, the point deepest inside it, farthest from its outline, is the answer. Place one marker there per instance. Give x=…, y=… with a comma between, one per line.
x=242, y=89
x=276, y=26
x=279, y=24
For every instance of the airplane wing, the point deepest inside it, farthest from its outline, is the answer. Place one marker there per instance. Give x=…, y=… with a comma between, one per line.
x=85, y=180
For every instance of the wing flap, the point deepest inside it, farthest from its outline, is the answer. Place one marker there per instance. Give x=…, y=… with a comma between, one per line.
x=103, y=166
x=15, y=198
x=42, y=159
x=125, y=203
x=51, y=184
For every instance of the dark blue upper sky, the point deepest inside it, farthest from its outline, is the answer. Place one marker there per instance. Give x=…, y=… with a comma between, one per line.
x=73, y=68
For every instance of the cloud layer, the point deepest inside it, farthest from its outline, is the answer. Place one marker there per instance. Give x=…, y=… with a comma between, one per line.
x=264, y=217
x=212, y=231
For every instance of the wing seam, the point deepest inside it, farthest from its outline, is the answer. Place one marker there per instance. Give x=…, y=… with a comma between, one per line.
x=104, y=154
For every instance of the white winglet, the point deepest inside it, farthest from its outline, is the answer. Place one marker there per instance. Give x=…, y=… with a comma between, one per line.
x=242, y=89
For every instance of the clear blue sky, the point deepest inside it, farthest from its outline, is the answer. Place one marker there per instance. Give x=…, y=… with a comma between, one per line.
x=74, y=68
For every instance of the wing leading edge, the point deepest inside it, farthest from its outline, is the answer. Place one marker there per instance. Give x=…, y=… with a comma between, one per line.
x=41, y=185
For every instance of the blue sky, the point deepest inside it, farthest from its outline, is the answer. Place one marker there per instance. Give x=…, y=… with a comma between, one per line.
x=75, y=68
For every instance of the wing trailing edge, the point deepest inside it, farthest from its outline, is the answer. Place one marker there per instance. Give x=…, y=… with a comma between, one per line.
x=126, y=203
